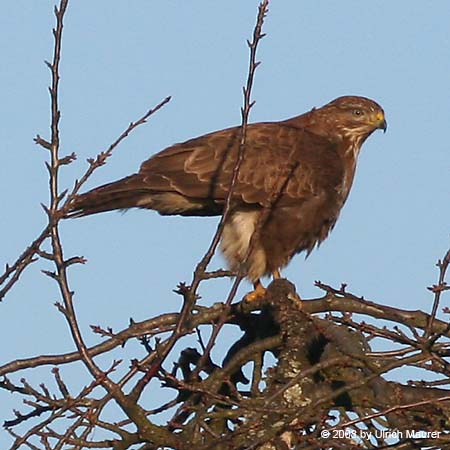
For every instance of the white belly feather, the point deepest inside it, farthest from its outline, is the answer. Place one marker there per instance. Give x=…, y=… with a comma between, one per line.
x=236, y=237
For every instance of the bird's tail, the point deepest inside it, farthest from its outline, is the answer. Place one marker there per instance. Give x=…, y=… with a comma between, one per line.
x=121, y=194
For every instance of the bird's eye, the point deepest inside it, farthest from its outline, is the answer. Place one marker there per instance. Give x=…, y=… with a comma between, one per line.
x=358, y=112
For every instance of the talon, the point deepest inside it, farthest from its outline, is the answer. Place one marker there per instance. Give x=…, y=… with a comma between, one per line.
x=258, y=292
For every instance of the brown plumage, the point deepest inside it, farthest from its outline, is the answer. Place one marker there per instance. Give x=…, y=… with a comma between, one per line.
x=301, y=169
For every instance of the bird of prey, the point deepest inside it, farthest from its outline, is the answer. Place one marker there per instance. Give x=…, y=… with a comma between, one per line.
x=294, y=178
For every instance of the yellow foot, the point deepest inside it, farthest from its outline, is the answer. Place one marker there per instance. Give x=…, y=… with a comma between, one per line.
x=258, y=292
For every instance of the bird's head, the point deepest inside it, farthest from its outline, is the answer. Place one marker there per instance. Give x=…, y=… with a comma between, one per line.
x=351, y=117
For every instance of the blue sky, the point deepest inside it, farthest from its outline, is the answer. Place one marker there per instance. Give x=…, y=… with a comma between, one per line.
x=120, y=58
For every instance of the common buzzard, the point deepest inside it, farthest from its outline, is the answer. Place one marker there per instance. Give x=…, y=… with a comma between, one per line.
x=293, y=181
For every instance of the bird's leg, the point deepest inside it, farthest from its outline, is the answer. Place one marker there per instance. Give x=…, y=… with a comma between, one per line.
x=259, y=291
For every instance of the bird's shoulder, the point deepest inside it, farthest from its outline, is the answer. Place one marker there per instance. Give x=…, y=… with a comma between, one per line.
x=288, y=139
x=277, y=156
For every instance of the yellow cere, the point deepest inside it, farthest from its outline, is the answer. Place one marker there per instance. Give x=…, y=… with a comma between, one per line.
x=379, y=116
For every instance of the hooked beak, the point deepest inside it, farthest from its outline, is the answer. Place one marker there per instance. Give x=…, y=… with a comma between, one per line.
x=380, y=121
x=383, y=125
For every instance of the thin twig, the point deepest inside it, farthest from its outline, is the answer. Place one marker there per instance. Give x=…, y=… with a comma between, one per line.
x=100, y=159
x=23, y=261
x=133, y=411
x=245, y=112
x=190, y=293
x=438, y=289
x=392, y=409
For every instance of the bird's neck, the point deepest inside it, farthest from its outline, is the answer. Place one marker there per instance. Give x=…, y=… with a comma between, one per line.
x=349, y=152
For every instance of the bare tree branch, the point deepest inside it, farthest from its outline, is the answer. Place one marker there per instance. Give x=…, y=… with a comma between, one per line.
x=323, y=375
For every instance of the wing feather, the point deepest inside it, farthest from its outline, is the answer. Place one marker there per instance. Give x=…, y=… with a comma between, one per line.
x=279, y=160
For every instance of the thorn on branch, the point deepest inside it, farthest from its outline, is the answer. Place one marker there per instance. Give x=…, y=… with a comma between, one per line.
x=46, y=209
x=50, y=274
x=61, y=308
x=45, y=255
x=68, y=159
x=99, y=160
x=134, y=364
x=61, y=385
x=45, y=390
x=145, y=342
x=75, y=260
x=116, y=363
x=42, y=142
x=97, y=329
x=438, y=287
x=61, y=196
x=182, y=289
x=49, y=168
x=20, y=418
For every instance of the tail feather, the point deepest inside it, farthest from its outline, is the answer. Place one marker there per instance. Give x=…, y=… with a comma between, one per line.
x=136, y=191
x=121, y=194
